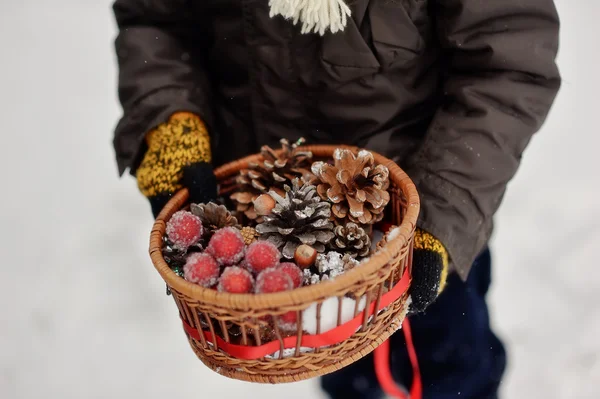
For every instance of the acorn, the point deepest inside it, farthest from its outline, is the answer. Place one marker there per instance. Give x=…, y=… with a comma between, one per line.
x=264, y=204
x=305, y=256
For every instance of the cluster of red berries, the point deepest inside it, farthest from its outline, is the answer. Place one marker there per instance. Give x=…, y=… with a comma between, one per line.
x=227, y=263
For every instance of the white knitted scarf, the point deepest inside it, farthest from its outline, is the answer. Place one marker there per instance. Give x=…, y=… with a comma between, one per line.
x=315, y=15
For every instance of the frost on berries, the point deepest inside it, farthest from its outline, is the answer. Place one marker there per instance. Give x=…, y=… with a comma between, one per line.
x=236, y=280
x=273, y=280
x=184, y=229
x=293, y=271
x=202, y=269
x=227, y=246
x=262, y=255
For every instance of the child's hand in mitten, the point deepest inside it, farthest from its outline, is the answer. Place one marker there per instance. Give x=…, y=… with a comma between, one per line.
x=429, y=270
x=178, y=156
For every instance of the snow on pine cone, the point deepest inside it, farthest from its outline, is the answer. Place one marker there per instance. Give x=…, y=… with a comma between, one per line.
x=301, y=217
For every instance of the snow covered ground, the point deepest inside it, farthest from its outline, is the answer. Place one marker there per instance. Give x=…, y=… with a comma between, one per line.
x=83, y=314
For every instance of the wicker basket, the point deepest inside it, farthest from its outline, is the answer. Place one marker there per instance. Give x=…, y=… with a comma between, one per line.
x=208, y=316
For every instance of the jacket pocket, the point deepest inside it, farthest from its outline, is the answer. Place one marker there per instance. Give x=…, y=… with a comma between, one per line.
x=346, y=55
x=398, y=28
x=396, y=36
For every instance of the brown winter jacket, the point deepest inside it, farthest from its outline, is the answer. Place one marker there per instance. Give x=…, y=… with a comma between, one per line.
x=452, y=90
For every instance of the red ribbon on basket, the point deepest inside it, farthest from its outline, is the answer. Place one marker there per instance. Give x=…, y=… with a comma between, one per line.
x=333, y=337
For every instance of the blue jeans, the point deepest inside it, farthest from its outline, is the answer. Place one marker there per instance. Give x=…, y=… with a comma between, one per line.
x=459, y=355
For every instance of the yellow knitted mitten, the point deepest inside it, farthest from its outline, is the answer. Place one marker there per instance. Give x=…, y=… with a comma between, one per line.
x=178, y=156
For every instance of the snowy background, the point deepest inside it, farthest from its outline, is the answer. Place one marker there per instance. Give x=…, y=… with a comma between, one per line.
x=83, y=313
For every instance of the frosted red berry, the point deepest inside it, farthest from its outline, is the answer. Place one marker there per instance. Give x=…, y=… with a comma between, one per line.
x=201, y=269
x=184, y=229
x=293, y=271
x=262, y=255
x=236, y=280
x=227, y=246
x=288, y=321
x=273, y=280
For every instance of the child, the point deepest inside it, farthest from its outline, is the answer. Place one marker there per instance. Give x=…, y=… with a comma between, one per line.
x=452, y=90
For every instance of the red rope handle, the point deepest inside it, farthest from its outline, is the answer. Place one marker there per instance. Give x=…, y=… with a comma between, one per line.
x=384, y=375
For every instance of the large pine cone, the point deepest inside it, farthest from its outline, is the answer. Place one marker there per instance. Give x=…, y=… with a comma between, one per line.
x=351, y=239
x=272, y=174
x=355, y=185
x=214, y=216
x=298, y=218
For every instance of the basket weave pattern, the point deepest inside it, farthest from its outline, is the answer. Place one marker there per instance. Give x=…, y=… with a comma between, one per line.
x=221, y=313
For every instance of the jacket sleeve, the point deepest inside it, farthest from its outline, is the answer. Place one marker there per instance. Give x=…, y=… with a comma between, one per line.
x=501, y=82
x=161, y=50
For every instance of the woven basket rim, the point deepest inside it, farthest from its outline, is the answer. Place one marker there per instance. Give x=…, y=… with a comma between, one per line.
x=299, y=296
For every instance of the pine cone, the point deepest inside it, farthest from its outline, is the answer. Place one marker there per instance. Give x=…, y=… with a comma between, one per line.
x=214, y=216
x=249, y=234
x=298, y=218
x=355, y=185
x=273, y=173
x=351, y=239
